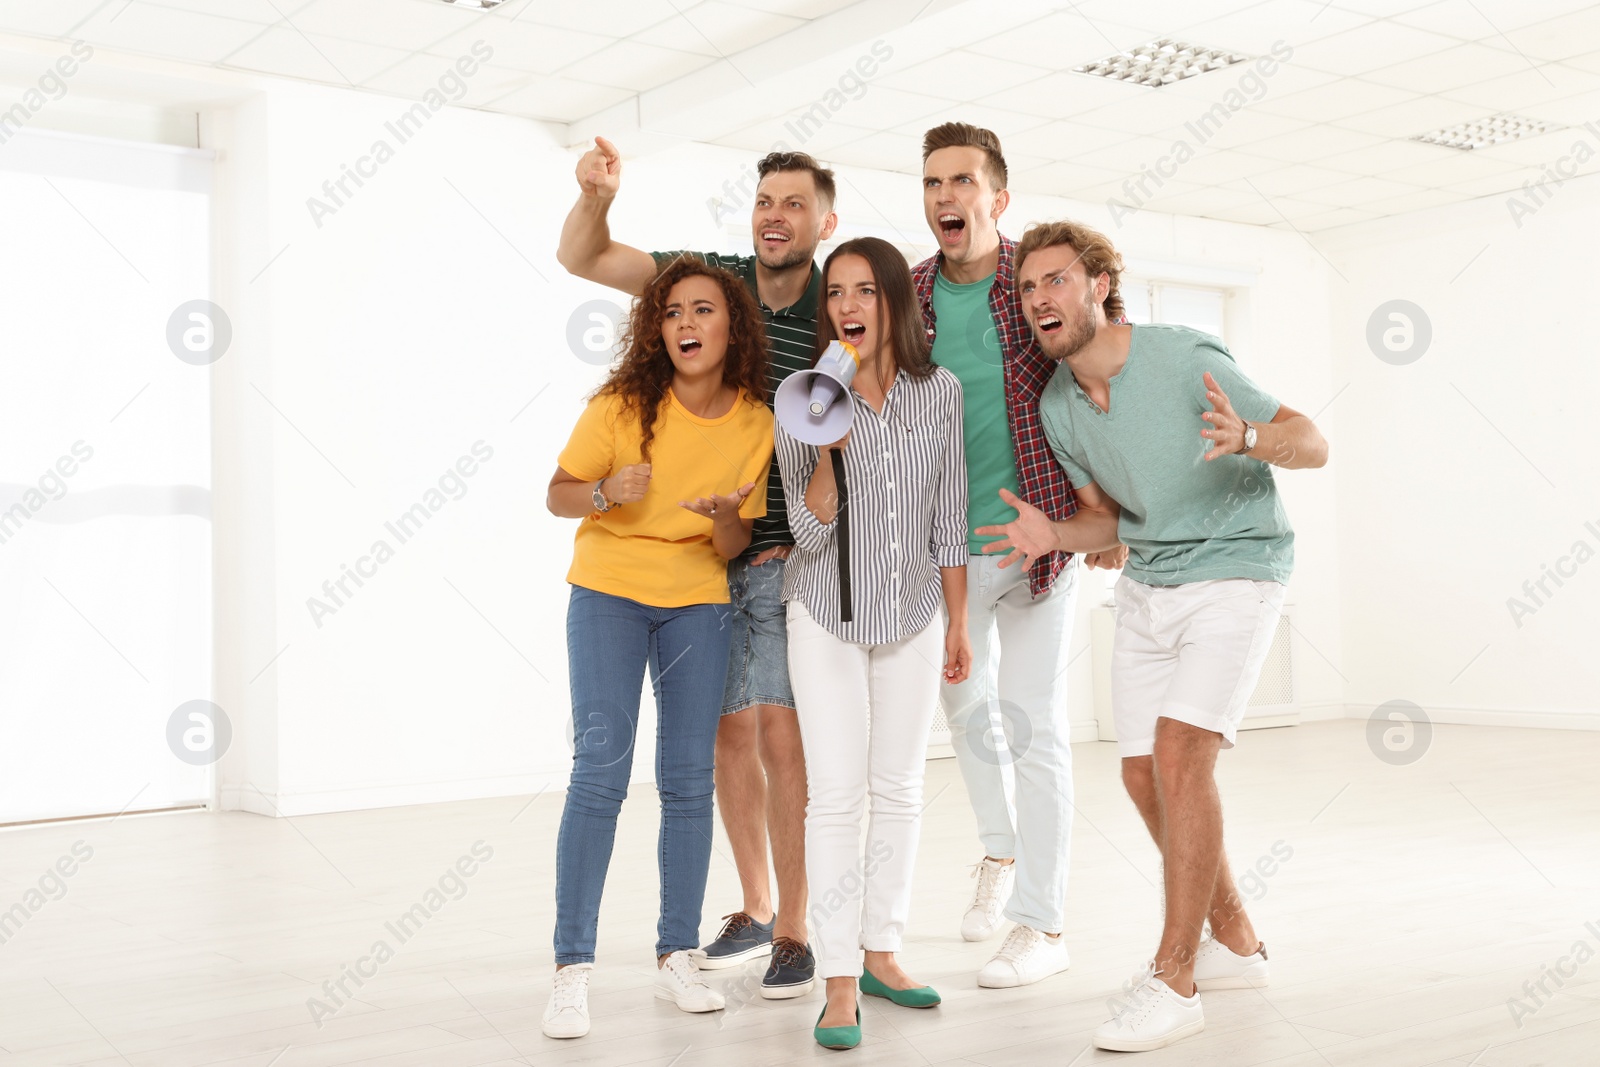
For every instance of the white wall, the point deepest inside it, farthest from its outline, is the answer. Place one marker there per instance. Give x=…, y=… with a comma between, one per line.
x=426, y=314
x=421, y=317
x=1465, y=473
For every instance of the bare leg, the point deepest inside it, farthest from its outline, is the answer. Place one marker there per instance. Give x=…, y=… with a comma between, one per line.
x=1229, y=923
x=742, y=797
x=783, y=758
x=1191, y=812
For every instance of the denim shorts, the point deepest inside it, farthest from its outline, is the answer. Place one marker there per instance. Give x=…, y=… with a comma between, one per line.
x=758, y=660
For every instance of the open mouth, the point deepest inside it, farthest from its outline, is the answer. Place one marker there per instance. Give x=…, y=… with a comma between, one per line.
x=1049, y=323
x=688, y=346
x=952, y=226
x=775, y=236
x=853, y=332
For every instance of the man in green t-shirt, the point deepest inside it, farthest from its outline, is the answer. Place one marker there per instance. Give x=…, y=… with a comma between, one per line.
x=1129, y=413
x=760, y=764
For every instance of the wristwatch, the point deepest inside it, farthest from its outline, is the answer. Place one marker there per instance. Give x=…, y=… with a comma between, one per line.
x=1249, y=437
x=600, y=501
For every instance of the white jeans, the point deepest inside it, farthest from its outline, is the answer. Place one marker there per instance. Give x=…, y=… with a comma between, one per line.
x=861, y=900
x=1021, y=680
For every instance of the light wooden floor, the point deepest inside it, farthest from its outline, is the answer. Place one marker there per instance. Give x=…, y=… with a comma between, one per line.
x=1416, y=902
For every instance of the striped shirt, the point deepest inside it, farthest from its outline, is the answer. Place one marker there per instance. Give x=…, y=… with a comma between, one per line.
x=1027, y=371
x=906, y=483
x=791, y=346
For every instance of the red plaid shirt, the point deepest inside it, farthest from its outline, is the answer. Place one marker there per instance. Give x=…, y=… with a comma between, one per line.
x=1027, y=371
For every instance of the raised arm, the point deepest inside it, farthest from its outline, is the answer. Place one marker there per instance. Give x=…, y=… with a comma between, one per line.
x=586, y=248
x=1291, y=440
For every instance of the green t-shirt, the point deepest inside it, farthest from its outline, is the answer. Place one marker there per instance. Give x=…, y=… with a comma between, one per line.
x=968, y=345
x=1183, y=519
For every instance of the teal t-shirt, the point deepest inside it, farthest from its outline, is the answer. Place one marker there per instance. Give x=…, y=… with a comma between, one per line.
x=968, y=345
x=1183, y=519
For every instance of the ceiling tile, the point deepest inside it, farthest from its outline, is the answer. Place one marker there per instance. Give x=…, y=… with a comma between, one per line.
x=284, y=52
x=1061, y=41
x=1557, y=38
x=1465, y=64
x=1493, y=184
x=717, y=29
x=1386, y=156
x=1005, y=124
x=1526, y=89
x=1243, y=128
x=1450, y=169
x=1419, y=200
x=524, y=45
x=416, y=74
x=1214, y=167
x=962, y=74
x=1381, y=8
x=53, y=19
x=884, y=151
x=614, y=18
x=1327, y=220
x=1064, y=94
x=1335, y=100
x=631, y=65
x=1298, y=179
x=1412, y=117
x=267, y=12
x=1538, y=151
x=1312, y=142
x=1064, y=140
x=1368, y=47
x=559, y=99
x=410, y=25
x=1062, y=177
x=800, y=9
x=1172, y=18
x=1357, y=192
x=1126, y=157
x=1254, y=29
x=165, y=31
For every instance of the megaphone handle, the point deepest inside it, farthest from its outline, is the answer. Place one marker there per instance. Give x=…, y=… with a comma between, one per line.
x=843, y=534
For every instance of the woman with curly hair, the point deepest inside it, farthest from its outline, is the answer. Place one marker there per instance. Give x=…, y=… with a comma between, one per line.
x=661, y=468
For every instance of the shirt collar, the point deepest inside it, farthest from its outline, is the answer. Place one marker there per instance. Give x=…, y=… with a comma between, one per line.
x=803, y=308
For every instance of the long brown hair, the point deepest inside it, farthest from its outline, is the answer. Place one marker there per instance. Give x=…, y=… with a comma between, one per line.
x=644, y=372
x=897, y=301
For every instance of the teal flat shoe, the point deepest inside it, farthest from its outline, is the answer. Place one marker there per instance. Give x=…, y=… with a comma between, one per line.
x=837, y=1037
x=921, y=997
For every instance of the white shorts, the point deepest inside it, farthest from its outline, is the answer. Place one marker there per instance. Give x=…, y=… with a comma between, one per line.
x=1188, y=652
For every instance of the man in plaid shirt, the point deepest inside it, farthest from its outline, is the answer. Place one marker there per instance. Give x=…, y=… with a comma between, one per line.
x=975, y=323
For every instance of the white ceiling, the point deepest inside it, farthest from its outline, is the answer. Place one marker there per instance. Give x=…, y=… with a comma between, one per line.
x=1327, y=143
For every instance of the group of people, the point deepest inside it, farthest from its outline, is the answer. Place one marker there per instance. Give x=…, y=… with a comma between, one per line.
x=799, y=606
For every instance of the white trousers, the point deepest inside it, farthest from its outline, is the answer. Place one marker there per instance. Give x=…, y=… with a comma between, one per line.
x=860, y=897
x=1019, y=675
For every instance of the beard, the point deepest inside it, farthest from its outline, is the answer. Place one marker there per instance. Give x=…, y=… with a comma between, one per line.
x=1076, y=331
x=792, y=256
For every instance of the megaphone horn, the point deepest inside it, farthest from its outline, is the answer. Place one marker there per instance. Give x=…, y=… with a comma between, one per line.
x=814, y=405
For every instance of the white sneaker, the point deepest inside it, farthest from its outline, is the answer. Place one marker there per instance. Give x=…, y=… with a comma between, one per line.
x=1151, y=1017
x=678, y=980
x=567, y=1014
x=989, y=898
x=1025, y=956
x=1216, y=966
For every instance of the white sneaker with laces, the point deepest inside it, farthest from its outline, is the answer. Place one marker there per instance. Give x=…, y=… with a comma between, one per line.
x=989, y=898
x=1151, y=1017
x=567, y=1014
x=1216, y=966
x=1025, y=956
x=678, y=980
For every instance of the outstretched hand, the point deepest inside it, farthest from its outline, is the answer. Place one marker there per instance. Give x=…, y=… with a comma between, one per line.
x=1226, y=431
x=1027, y=537
x=719, y=506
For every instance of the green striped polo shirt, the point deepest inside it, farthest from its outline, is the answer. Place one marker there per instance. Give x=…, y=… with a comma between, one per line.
x=791, y=346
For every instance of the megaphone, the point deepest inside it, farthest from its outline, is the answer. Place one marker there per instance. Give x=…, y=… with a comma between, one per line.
x=814, y=405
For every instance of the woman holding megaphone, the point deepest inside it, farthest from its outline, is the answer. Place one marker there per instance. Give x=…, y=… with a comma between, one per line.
x=879, y=517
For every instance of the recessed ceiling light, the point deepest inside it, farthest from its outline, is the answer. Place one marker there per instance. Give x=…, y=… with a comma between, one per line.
x=475, y=5
x=1160, y=62
x=1497, y=129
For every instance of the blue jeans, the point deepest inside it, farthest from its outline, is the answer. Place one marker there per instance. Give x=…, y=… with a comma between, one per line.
x=610, y=639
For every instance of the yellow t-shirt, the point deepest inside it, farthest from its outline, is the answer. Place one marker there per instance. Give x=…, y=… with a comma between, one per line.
x=652, y=550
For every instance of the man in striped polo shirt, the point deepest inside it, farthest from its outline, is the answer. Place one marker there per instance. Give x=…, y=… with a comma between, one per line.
x=760, y=775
